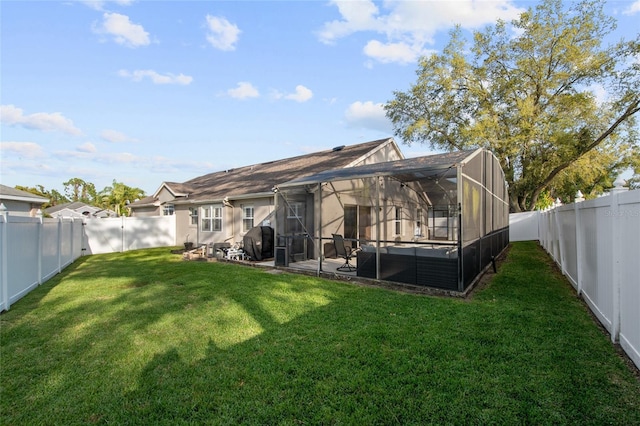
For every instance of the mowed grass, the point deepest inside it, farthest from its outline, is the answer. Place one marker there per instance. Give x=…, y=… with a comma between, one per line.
x=145, y=338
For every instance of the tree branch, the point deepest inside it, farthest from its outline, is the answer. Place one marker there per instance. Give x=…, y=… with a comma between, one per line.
x=633, y=108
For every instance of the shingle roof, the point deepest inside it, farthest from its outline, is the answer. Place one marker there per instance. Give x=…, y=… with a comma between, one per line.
x=407, y=170
x=74, y=205
x=261, y=178
x=9, y=193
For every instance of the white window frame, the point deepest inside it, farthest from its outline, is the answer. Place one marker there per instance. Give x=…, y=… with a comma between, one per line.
x=397, y=221
x=211, y=220
x=293, y=211
x=193, y=213
x=248, y=213
x=294, y=217
x=168, y=210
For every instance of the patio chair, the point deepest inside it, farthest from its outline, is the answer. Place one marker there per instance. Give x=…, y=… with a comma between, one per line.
x=345, y=252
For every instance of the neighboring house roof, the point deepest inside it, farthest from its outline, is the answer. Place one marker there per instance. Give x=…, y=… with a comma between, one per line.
x=77, y=209
x=8, y=193
x=260, y=178
x=71, y=206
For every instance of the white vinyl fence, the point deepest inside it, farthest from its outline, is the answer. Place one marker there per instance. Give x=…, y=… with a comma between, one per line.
x=596, y=243
x=119, y=234
x=32, y=250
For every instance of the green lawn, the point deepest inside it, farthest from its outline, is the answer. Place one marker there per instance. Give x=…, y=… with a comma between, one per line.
x=145, y=338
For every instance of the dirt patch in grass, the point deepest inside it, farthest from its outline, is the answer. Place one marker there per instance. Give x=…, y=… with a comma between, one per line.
x=489, y=274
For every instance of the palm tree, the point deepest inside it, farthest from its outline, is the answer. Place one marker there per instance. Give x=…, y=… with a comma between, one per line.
x=118, y=195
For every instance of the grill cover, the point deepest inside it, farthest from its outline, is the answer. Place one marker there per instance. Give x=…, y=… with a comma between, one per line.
x=258, y=242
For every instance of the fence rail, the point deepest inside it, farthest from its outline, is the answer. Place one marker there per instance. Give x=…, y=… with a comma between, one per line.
x=32, y=250
x=596, y=244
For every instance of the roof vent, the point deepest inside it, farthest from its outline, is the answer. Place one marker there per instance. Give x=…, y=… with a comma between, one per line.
x=338, y=148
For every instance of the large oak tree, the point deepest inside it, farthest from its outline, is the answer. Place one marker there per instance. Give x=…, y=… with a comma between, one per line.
x=527, y=91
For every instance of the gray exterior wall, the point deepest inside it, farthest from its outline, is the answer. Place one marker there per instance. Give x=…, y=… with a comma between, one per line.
x=21, y=208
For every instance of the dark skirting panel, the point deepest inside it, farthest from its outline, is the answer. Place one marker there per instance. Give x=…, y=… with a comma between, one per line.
x=366, y=264
x=437, y=272
x=410, y=269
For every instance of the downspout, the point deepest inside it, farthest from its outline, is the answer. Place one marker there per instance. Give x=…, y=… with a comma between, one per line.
x=227, y=203
x=275, y=217
x=320, y=246
x=460, y=198
x=377, y=178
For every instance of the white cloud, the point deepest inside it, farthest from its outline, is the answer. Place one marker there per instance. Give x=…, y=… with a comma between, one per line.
x=104, y=158
x=123, y=30
x=116, y=137
x=222, y=34
x=87, y=147
x=46, y=122
x=394, y=52
x=243, y=91
x=156, y=78
x=22, y=149
x=368, y=115
x=633, y=8
x=600, y=93
x=100, y=4
x=154, y=164
x=407, y=26
x=356, y=16
x=302, y=94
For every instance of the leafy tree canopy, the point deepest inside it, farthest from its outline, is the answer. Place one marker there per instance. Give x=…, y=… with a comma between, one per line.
x=115, y=197
x=54, y=196
x=79, y=190
x=526, y=91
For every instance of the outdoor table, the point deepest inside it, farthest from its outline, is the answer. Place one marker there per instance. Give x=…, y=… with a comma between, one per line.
x=235, y=254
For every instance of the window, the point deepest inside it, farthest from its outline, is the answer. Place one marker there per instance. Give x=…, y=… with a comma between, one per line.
x=398, y=221
x=247, y=218
x=212, y=218
x=168, y=210
x=418, y=230
x=193, y=213
x=295, y=212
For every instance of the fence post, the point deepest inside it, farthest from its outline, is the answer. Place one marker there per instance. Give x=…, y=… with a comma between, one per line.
x=59, y=244
x=4, y=214
x=578, y=218
x=122, y=230
x=71, y=235
x=40, y=243
x=616, y=233
x=560, y=238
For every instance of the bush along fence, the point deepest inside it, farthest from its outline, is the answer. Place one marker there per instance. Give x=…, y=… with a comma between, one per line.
x=32, y=250
x=596, y=244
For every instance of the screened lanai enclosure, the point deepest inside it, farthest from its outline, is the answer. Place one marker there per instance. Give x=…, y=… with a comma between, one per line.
x=435, y=221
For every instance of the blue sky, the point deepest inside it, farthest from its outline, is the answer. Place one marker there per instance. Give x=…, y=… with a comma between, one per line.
x=151, y=91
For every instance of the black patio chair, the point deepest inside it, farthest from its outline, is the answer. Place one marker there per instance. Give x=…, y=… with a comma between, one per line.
x=345, y=252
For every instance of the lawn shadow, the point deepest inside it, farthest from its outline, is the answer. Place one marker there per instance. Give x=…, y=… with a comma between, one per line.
x=141, y=344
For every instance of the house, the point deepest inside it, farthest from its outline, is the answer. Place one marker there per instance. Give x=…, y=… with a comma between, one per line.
x=78, y=210
x=20, y=203
x=223, y=206
x=436, y=221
